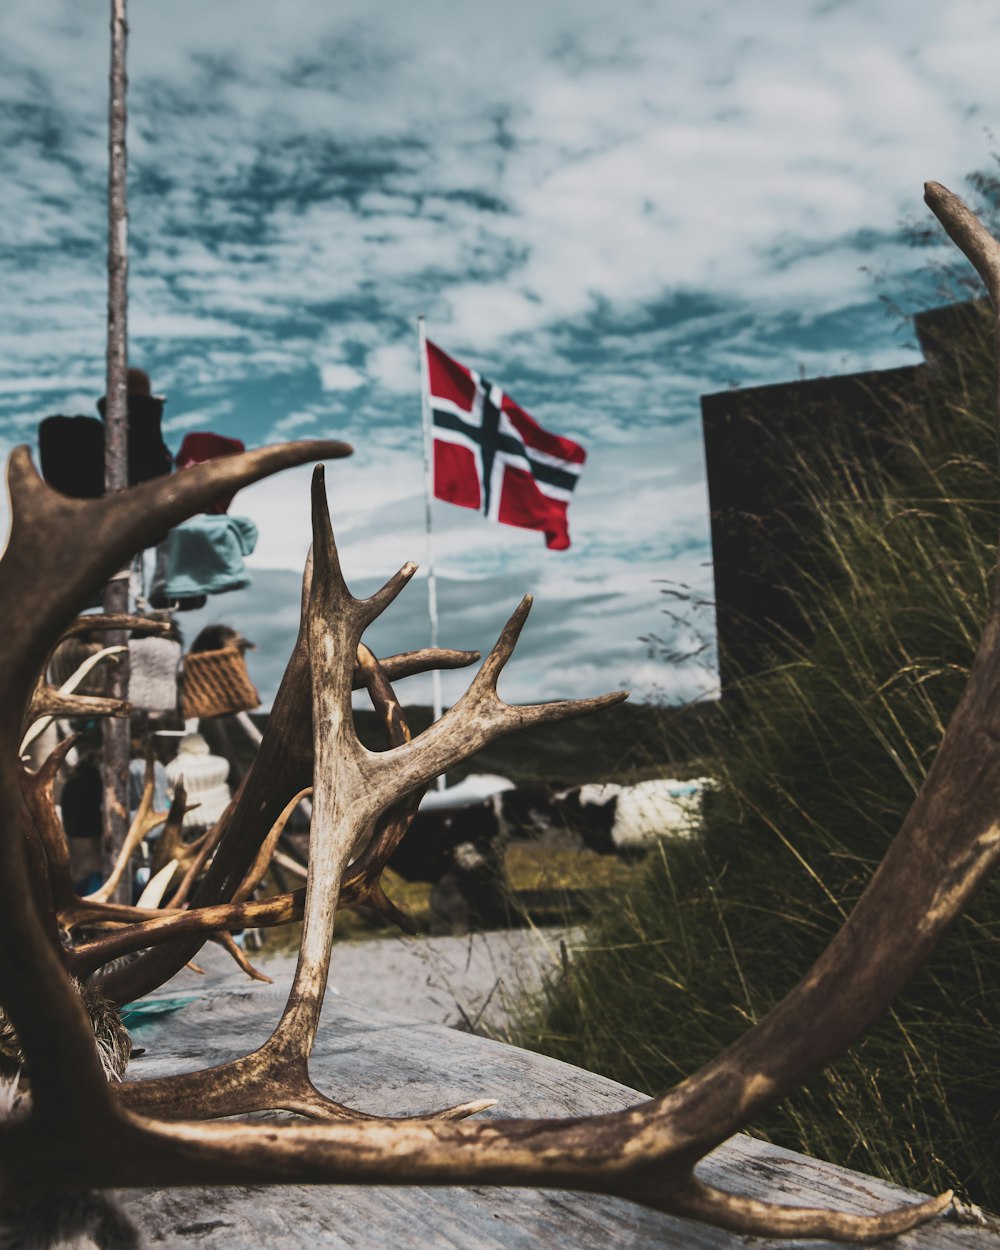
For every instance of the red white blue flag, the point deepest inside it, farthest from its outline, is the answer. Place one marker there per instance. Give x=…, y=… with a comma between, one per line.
x=491, y=456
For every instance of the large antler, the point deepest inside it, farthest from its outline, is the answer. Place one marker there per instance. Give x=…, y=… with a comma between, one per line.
x=641, y=1153
x=283, y=768
x=948, y=843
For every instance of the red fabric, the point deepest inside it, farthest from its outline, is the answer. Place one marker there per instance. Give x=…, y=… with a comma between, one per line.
x=455, y=477
x=523, y=504
x=489, y=454
x=448, y=379
x=541, y=440
x=199, y=446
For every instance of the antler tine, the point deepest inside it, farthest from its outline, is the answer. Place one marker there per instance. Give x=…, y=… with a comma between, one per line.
x=411, y=662
x=37, y=791
x=48, y=701
x=968, y=234
x=768, y=1219
x=205, y=849
x=263, y=859
x=114, y=621
x=324, y=561
x=327, y=574
x=116, y=526
x=479, y=717
x=144, y=822
x=489, y=673
x=228, y=944
x=50, y=766
x=51, y=702
x=170, y=836
x=373, y=607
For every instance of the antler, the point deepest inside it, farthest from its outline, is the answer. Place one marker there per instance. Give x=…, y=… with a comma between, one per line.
x=948, y=843
x=634, y=1153
x=48, y=701
x=143, y=823
x=283, y=767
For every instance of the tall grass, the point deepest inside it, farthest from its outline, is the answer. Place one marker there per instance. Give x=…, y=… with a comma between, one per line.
x=818, y=762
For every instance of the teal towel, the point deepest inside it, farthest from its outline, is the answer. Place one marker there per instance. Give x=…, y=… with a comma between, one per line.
x=145, y=1010
x=205, y=555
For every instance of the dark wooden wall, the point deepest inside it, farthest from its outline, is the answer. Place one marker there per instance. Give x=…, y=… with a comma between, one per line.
x=763, y=522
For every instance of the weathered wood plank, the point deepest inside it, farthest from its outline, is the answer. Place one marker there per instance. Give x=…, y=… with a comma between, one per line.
x=396, y=1066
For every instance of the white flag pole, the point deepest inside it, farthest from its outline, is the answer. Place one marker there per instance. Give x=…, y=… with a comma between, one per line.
x=432, y=607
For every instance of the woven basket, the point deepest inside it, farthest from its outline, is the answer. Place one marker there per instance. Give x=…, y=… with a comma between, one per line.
x=216, y=683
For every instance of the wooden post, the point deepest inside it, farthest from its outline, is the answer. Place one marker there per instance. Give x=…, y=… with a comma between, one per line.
x=116, y=730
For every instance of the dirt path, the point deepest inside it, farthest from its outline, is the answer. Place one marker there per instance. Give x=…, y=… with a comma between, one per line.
x=466, y=982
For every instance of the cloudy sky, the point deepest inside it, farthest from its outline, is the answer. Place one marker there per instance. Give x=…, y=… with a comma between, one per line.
x=609, y=209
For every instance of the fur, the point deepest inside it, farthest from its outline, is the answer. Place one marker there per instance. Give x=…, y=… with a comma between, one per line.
x=114, y=1044
x=84, y=1221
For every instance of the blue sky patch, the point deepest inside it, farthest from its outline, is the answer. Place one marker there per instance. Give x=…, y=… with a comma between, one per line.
x=621, y=210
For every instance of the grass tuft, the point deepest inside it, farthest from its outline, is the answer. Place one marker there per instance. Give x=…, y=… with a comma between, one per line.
x=818, y=760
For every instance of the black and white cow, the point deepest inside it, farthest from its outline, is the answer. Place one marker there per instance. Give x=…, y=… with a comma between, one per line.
x=459, y=837
x=457, y=843
x=628, y=820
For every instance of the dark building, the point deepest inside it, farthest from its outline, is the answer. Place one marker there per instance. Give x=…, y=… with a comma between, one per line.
x=763, y=525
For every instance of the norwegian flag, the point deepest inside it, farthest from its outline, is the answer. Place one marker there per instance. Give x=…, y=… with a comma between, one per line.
x=490, y=455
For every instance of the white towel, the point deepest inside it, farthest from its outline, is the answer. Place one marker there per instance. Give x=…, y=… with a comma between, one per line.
x=152, y=682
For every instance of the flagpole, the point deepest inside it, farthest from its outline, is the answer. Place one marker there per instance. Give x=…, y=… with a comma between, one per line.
x=432, y=607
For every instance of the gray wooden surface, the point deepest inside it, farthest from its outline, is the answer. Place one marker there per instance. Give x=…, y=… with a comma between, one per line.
x=393, y=1065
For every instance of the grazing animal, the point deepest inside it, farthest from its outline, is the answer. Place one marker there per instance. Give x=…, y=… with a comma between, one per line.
x=457, y=843
x=628, y=820
x=459, y=837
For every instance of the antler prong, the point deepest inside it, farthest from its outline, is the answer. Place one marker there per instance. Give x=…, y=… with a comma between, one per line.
x=376, y=604
x=968, y=234
x=754, y=1218
x=503, y=649
x=143, y=823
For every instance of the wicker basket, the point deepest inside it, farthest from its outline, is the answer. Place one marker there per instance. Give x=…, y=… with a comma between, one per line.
x=216, y=683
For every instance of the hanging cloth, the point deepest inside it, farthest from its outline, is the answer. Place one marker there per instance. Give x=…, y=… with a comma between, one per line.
x=152, y=676
x=71, y=453
x=198, y=447
x=204, y=556
x=71, y=449
x=148, y=454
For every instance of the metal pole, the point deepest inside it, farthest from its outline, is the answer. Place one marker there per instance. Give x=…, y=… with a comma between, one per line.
x=432, y=607
x=116, y=596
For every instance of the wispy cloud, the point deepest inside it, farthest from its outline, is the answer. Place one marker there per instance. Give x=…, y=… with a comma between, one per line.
x=610, y=213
